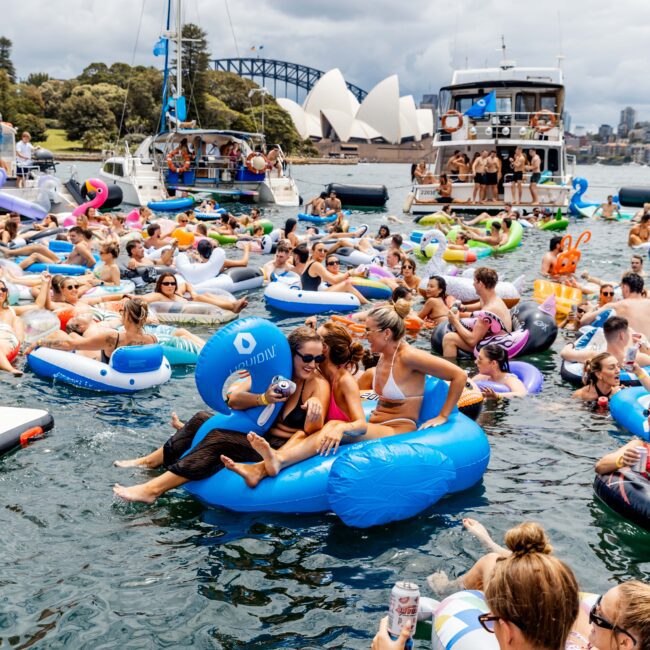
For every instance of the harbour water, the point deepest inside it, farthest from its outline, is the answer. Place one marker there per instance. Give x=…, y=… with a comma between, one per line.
x=81, y=570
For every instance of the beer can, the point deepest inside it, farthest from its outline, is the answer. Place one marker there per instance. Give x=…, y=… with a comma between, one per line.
x=283, y=386
x=641, y=464
x=403, y=608
x=630, y=357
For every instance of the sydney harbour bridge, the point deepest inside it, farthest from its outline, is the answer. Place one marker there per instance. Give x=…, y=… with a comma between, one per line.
x=300, y=77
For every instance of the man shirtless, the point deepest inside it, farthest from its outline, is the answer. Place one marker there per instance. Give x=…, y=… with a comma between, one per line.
x=137, y=258
x=492, y=177
x=518, y=162
x=479, y=169
x=640, y=233
x=280, y=263
x=81, y=253
x=275, y=159
x=453, y=165
x=317, y=205
x=535, y=168
x=332, y=204
x=634, y=306
x=550, y=258
x=608, y=209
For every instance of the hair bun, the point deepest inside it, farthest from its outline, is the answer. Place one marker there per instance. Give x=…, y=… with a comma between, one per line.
x=402, y=308
x=528, y=538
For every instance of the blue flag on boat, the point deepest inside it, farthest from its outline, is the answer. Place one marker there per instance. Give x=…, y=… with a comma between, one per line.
x=159, y=47
x=487, y=104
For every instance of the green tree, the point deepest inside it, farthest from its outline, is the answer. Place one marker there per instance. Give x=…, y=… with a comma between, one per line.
x=231, y=89
x=84, y=111
x=6, y=97
x=219, y=116
x=37, y=78
x=6, y=63
x=54, y=92
x=95, y=73
x=32, y=123
x=195, y=61
x=278, y=126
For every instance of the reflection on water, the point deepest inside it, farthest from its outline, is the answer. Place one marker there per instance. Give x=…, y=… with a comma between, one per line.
x=81, y=570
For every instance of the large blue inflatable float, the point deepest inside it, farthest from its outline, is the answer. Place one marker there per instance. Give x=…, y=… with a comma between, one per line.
x=365, y=483
x=629, y=407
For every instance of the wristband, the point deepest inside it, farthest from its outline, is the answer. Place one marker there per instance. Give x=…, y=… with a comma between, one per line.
x=641, y=373
x=262, y=401
x=619, y=462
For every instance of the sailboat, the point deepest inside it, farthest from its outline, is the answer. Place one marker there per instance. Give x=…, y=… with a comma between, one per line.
x=181, y=159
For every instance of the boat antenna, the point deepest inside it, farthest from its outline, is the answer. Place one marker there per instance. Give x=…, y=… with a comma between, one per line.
x=560, y=57
x=166, y=73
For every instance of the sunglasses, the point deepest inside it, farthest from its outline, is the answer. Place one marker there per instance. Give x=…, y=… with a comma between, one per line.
x=168, y=284
x=319, y=250
x=607, y=293
x=596, y=619
x=70, y=287
x=333, y=263
x=308, y=358
x=3, y=290
x=487, y=622
x=581, y=311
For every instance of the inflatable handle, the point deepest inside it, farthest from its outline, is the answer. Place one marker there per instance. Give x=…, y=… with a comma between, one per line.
x=35, y=433
x=252, y=344
x=421, y=479
x=586, y=235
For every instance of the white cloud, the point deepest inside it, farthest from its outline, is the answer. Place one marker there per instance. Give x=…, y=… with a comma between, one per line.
x=607, y=46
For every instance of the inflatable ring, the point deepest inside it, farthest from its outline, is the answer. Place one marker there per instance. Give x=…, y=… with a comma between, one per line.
x=183, y=237
x=252, y=344
x=447, y=115
x=173, y=166
x=249, y=162
x=550, y=120
x=356, y=329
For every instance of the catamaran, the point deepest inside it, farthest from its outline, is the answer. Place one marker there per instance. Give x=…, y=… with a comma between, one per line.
x=181, y=158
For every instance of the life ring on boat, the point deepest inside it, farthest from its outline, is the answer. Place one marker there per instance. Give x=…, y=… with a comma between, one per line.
x=548, y=118
x=452, y=113
x=174, y=154
x=253, y=167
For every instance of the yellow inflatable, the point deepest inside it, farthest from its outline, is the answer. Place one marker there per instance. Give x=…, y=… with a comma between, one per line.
x=183, y=237
x=565, y=297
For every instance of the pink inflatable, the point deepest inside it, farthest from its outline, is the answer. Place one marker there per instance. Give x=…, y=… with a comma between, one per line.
x=101, y=194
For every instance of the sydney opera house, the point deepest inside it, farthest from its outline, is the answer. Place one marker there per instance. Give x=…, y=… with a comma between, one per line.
x=382, y=126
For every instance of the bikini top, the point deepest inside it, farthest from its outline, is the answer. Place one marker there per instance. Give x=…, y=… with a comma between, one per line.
x=600, y=392
x=391, y=390
x=105, y=358
x=296, y=418
x=334, y=412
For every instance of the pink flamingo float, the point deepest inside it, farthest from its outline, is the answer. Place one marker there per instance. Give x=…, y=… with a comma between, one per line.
x=101, y=194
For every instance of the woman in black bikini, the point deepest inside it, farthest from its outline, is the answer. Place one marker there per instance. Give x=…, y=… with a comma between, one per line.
x=305, y=410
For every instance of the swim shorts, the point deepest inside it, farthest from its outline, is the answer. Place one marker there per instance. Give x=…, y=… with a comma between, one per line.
x=517, y=176
x=491, y=178
x=534, y=178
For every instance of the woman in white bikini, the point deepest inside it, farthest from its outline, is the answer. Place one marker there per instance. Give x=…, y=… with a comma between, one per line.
x=399, y=384
x=11, y=332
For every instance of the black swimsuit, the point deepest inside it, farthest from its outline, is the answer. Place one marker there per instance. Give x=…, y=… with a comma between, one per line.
x=308, y=282
x=296, y=418
x=600, y=392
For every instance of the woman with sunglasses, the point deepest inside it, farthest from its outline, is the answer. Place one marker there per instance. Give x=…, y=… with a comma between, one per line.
x=571, y=323
x=304, y=410
x=168, y=289
x=399, y=384
x=341, y=361
x=106, y=341
x=410, y=279
x=620, y=619
x=12, y=332
x=533, y=598
x=316, y=273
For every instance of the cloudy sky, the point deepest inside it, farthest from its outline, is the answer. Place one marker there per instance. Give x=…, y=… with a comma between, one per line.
x=606, y=45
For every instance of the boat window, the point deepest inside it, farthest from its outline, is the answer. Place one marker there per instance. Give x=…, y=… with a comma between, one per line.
x=524, y=104
x=553, y=160
x=108, y=167
x=504, y=105
x=119, y=170
x=465, y=102
x=548, y=103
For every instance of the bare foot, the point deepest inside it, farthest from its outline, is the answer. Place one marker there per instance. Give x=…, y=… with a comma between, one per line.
x=477, y=529
x=438, y=581
x=176, y=423
x=133, y=462
x=17, y=373
x=136, y=493
x=269, y=457
x=239, y=305
x=252, y=474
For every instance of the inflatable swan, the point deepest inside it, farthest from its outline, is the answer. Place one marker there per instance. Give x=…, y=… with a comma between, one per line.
x=434, y=244
x=462, y=287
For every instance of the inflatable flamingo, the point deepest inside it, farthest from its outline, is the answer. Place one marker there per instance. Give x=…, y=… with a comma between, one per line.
x=101, y=194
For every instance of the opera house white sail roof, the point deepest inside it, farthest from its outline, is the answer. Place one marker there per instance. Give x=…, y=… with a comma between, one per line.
x=331, y=110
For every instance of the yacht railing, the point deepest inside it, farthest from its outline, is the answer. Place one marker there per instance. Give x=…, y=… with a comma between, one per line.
x=541, y=125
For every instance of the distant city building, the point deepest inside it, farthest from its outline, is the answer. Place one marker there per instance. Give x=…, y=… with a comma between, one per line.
x=566, y=118
x=430, y=102
x=579, y=130
x=627, y=122
x=604, y=132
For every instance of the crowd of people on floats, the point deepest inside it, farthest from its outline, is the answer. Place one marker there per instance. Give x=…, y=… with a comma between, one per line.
x=532, y=595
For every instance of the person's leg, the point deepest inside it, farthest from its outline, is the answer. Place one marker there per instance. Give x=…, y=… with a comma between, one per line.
x=533, y=193
x=223, y=303
x=5, y=364
x=148, y=492
x=174, y=448
x=186, y=334
x=347, y=287
x=451, y=343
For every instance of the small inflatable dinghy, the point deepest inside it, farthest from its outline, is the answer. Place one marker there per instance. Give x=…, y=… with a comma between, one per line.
x=18, y=427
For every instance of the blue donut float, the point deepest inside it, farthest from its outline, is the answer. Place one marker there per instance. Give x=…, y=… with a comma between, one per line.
x=171, y=205
x=295, y=300
x=130, y=368
x=210, y=216
x=321, y=220
x=629, y=407
x=420, y=467
x=627, y=493
x=528, y=374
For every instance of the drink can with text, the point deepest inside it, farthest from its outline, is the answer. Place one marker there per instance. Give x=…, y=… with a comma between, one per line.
x=403, y=609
